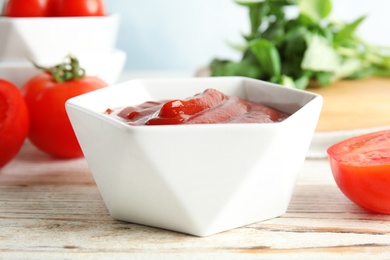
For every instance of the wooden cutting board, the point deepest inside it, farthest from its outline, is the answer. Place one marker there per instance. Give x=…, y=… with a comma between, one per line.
x=354, y=104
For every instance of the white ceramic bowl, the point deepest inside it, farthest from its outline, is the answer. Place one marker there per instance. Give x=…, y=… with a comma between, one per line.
x=17, y=72
x=107, y=66
x=45, y=38
x=195, y=179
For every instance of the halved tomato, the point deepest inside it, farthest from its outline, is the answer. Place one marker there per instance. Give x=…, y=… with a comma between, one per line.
x=361, y=168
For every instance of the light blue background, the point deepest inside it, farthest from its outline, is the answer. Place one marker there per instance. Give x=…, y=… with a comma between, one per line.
x=174, y=35
x=185, y=35
x=177, y=35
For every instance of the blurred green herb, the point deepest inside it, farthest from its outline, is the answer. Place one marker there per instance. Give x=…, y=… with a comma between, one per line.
x=310, y=47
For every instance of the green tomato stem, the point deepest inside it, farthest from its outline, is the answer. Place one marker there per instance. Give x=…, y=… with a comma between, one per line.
x=68, y=70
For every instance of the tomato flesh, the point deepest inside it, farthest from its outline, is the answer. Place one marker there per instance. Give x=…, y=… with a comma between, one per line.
x=361, y=168
x=14, y=121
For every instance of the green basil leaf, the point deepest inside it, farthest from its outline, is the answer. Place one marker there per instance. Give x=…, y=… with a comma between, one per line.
x=254, y=2
x=303, y=81
x=348, y=31
x=249, y=3
x=284, y=80
x=315, y=9
x=256, y=15
x=267, y=55
x=320, y=55
x=299, y=50
x=324, y=78
x=244, y=68
x=348, y=67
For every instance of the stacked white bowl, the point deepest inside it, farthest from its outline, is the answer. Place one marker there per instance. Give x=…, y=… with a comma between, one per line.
x=48, y=40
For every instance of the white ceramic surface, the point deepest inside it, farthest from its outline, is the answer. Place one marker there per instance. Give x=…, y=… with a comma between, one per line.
x=46, y=38
x=17, y=72
x=107, y=66
x=195, y=179
x=323, y=140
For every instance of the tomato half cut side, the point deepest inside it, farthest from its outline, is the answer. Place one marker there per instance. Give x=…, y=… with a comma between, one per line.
x=361, y=169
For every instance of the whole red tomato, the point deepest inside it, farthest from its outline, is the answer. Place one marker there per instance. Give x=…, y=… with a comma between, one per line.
x=27, y=8
x=361, y=169
x=14, y=121
x=78, y=8
x=50, y=129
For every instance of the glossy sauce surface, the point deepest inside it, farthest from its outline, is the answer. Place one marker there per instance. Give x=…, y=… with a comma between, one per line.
x=208, y=107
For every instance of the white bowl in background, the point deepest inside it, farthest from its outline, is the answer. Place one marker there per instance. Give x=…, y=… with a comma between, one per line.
x=195, y=179
x=107, y=66
x=17, y=72
x=55, y=37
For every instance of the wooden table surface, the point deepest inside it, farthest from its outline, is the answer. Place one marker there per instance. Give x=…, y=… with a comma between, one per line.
x=355, y=104
x=52, y=209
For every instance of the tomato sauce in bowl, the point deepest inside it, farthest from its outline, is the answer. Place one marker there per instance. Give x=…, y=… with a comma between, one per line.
x=208, y=107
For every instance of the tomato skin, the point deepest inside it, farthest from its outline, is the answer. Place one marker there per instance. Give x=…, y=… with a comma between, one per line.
x=50, y=129
x=54, y=8
x=361, y=169
x=14, y=121
x=79, y=8
x=27, y=8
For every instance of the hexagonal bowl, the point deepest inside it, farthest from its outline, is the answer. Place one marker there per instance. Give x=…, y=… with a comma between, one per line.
x=195, y=179
x=42, y=39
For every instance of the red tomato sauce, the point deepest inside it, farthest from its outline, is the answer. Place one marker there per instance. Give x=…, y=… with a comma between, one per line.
x=208, y=107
